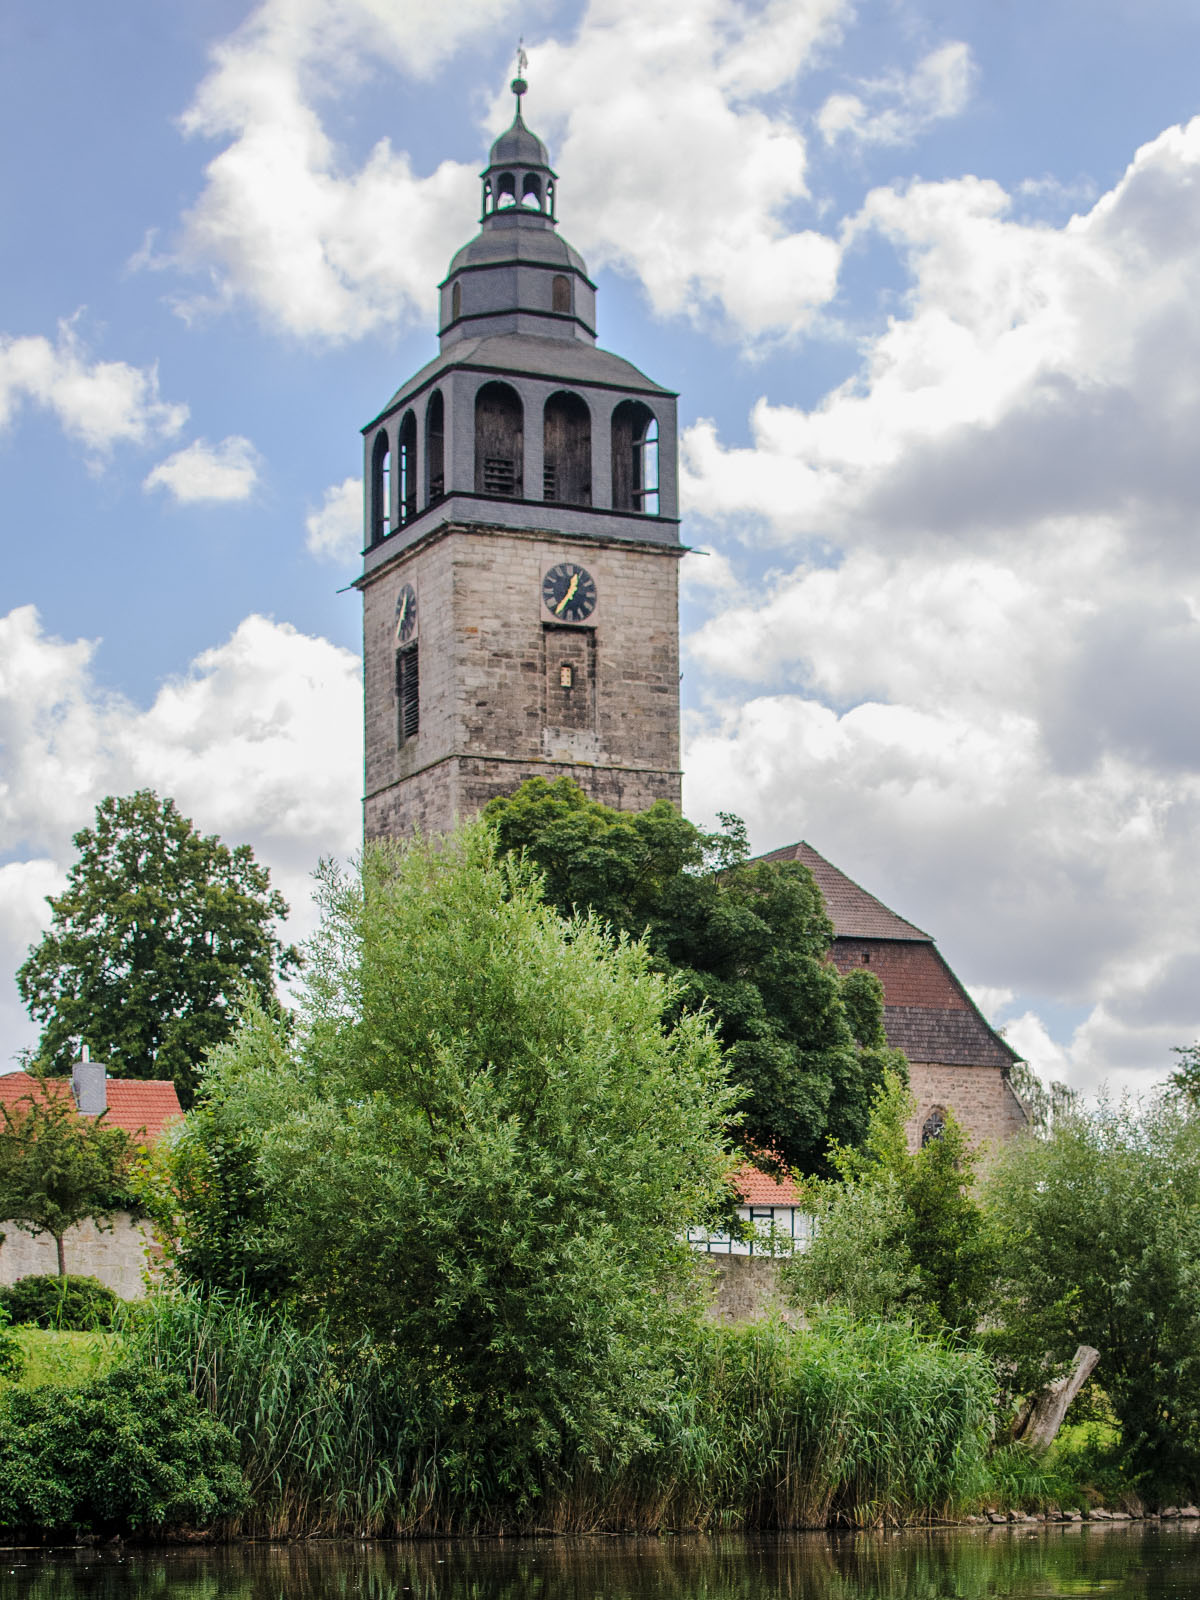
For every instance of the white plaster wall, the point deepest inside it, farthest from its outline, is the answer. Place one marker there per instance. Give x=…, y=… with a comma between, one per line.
x=119, y=1258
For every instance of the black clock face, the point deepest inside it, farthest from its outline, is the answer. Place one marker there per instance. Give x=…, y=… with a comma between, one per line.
x=406, y=614
x=569, y=592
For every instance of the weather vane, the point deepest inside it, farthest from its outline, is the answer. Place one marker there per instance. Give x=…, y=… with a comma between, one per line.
x=519, y=86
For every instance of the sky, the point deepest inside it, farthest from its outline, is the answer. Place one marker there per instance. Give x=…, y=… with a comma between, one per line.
x=927, y=278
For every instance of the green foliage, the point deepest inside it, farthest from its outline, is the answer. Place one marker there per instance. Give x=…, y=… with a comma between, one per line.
x=482, y=1147
x=131, y=1452
x=157, y=933
x=11, y=1358
x=58, y=1168
x=1099, y=1229
x=900, y=1234
x=1044, y=1102
x=52, y=1356
x=1185, y=1080
x=72, y=1302
x=759, y=1427
x=748, y=941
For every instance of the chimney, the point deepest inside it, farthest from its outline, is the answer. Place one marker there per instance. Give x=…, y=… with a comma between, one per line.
x=88, y=1080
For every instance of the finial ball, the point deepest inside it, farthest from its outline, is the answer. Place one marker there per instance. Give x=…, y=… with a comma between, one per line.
x=519, y=87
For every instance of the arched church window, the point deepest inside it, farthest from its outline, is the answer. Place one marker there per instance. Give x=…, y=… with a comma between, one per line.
x=531, y=192
x=406, y=488
x=934, y=1125
x=560, y=293
x=381, y=488
x=456, y=302
x=567, y=461
x=506, y=191
x=499, y=441
x=635, y=458
x=435, y=448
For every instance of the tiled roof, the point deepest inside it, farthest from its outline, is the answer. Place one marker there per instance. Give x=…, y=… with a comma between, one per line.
x=953, y=1038
x=141, y=1108
x=761, y=1189
x=855, y=914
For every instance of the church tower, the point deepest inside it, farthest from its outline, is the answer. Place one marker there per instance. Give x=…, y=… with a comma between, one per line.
x=520, y=581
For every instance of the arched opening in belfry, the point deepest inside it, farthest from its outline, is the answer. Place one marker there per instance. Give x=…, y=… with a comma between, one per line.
x=635, y=458
x=499, y=441
x=435, y=448
x=560, y=293
x=487, y=196
x=531, y=192
x=567, y=438
x=406, y=463
x=381, y=488
x=456, y=302
x=550, y=195
x=506, y=191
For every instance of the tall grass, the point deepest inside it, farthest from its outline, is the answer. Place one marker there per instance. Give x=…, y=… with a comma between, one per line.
x=765, y=1427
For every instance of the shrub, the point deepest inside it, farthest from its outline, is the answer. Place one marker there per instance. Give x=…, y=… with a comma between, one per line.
x=11, y=1359
x=129, y=1453
x=75, y=1303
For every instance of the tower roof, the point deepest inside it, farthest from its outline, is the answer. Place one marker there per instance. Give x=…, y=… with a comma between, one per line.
x=519, y=147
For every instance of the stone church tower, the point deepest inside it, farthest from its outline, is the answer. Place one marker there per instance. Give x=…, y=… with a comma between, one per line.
x=520, y=582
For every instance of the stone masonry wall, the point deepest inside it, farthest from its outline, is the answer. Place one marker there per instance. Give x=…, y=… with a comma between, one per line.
x=491, y=715
x=118, y=1258
x=981, y=1098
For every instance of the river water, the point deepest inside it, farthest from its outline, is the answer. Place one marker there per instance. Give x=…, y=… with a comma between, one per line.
x=1142, y=1560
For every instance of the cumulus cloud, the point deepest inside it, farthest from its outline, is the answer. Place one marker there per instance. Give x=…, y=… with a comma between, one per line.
x=100, y=403
x=662, y=120
x=335, y=528
x=206, y=472
x=894, y=109
x=259, y=741
x=970, y=675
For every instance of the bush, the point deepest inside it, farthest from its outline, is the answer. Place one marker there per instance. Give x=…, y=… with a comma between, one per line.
x=72, y=1303
x=129, y=1453
x=11, y=1359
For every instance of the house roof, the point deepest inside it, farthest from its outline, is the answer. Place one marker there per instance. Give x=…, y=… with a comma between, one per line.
x=758, y=1188
x=141, y=1108
x=855, y=914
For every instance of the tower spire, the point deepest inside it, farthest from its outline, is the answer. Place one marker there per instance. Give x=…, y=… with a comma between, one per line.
x=519, y=85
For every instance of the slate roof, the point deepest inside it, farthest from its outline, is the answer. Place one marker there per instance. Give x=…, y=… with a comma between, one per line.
x=141, y=1108
x=855, y=914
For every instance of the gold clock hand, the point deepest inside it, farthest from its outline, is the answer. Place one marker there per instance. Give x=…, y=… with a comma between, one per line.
x=403, y=612
x=569, y=596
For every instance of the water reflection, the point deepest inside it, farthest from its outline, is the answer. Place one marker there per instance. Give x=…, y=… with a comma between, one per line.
x=1118, y=1562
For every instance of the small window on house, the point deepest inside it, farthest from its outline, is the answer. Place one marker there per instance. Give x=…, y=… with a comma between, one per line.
x=435, y=448
x=506, y=191
x=866, y=958
x=406, y=488
x=381, y=488
x=531, y=193
x=408, y=694
x=456, y=302
x=561, y=293
x=934, y=1125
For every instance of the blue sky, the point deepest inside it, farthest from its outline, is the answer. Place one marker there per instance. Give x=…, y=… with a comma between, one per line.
x=926, y=280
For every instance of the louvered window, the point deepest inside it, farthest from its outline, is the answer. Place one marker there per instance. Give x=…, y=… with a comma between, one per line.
x=499, y=475
x=408, y=693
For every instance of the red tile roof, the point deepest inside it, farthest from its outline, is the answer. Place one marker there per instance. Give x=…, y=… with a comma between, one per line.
x=141, y=1108
x=761, y=1189
x=855, y=914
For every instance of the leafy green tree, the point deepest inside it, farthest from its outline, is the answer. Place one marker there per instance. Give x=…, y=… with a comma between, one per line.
x=747, y=941
x=1046, y=1103
x=1099, y=1230
x=901, y=1234
x=57, y=1168
x=482, y=1145
x=1185, y=1080
x=158, y=931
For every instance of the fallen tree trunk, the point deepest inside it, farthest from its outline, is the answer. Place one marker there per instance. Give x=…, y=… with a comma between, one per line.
x=1042, y=1415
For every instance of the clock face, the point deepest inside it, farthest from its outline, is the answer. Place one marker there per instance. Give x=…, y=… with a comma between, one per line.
x=406, y=614
x=569, y=592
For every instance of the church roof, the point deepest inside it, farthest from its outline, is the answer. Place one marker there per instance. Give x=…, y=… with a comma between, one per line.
x=518, y=147
x=527, y=245
x=141, y=1108
x=855, y=914
x=565, y=360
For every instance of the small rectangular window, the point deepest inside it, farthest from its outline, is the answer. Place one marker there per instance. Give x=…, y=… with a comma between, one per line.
x=408, y=693
x=566, y=676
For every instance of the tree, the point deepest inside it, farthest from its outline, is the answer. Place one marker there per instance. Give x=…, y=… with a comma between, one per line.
x=1099, y=1236
x=901, y=1234
x=58, y=1168
x=158, y=931
x=482, y=1145
x=1185, y=1080
x=748, y=941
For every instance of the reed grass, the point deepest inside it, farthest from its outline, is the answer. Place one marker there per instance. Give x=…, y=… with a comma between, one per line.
x=765, y=1428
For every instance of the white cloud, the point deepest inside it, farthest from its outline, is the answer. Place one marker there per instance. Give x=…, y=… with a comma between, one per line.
x=893, y=110
x=101, y=403
x=335, y=529
x=260, y=741
x=657, y=125
x=971, y=679
x=206, y=472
